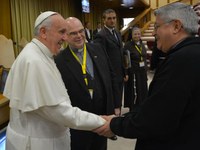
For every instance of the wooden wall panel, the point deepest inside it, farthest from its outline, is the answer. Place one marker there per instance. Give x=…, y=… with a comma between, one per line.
x=162, y=2
x=4, y=109
x=5, y=17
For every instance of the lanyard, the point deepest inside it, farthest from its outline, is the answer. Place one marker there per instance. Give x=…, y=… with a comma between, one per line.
x=83, y=64
x=139, y=49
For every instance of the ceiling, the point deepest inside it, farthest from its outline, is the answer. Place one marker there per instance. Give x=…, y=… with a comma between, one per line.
x=116, y=4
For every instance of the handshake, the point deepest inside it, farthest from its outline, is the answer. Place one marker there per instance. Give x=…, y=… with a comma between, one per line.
x=105, y=129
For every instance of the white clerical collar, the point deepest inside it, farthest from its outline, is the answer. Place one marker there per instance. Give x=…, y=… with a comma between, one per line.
x=42, y=47
x=75, y=50
x=138, y=42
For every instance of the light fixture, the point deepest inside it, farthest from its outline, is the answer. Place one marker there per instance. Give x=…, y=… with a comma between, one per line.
x=128, y=3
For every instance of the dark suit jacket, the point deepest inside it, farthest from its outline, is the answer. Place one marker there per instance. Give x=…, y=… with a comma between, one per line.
x=72, y=76
x=113, y=49
x=87, y=36
x=94, y=33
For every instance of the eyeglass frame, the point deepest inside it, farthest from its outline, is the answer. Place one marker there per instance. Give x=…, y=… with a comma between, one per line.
x=156, y=26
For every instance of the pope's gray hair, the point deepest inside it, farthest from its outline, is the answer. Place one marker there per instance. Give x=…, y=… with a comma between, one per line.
x=46, y=23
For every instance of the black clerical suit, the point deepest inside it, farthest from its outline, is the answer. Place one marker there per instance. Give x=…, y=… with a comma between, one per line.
x=113, y=47
x=169, y=118
x=103, y=83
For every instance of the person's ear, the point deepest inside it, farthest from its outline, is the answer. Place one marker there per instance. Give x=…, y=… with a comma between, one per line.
x=43, y=32
x=177, y=26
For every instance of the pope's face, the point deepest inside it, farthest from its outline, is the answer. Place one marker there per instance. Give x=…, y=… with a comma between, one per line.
x=55, y=34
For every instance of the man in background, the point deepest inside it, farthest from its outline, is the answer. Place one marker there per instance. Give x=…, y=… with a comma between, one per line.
x=40, y=109
x=169, y=117
x=98, y=29
x=90, y=82
x=88, y=32
x=111, y=40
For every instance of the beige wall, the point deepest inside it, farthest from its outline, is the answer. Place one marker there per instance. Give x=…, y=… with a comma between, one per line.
x=153, y=4
x=5, y=25
x=147, y=1
x=195, y=1
x=164, y=2
x=171, y=1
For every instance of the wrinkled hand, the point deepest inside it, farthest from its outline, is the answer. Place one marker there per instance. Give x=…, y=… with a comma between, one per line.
x=105, y=129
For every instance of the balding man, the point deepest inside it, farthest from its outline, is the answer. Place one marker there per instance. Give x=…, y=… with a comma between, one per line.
x=90, y=82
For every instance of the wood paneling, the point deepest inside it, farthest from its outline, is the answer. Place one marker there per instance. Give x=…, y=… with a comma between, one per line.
x=116, y=4
x=5, y=17
x=4, y=109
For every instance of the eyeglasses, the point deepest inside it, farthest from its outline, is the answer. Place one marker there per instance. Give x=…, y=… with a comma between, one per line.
x=156, y=26
x=73, y=34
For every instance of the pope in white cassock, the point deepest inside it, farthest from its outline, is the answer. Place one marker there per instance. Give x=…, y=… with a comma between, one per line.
x=40, y=109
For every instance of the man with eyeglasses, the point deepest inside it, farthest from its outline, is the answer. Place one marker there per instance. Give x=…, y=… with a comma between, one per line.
x=90, y=82
x=169, y=118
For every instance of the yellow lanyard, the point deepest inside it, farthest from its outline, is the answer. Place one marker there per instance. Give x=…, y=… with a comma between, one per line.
x=139, y=49
x=83, y=64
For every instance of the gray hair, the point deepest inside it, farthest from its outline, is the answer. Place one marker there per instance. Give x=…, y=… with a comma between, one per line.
x=108, y=11
x=46, y=23
x=135, y=28
x=182, y=12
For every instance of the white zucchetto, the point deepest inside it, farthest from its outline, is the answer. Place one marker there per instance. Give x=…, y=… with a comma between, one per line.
x=43, y=16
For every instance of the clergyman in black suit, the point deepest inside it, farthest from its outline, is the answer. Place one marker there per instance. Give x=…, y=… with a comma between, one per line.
x=89, y=80
x=110, y=38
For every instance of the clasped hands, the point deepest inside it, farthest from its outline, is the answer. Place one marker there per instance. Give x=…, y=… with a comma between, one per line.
x=105, y=129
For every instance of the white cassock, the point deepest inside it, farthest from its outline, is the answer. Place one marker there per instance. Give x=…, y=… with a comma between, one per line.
x=41, y=112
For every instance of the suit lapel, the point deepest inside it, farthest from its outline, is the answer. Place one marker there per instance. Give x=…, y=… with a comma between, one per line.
x=98, y=63
x=74, y=67
x=111, y=37
x=119, y=38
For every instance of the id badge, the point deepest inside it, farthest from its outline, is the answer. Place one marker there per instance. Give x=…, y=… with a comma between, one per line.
x=141, y=64
x=91, y=91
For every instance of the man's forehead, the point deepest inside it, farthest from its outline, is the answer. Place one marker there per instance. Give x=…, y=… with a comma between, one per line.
x=74, y=28
x=111, y=14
